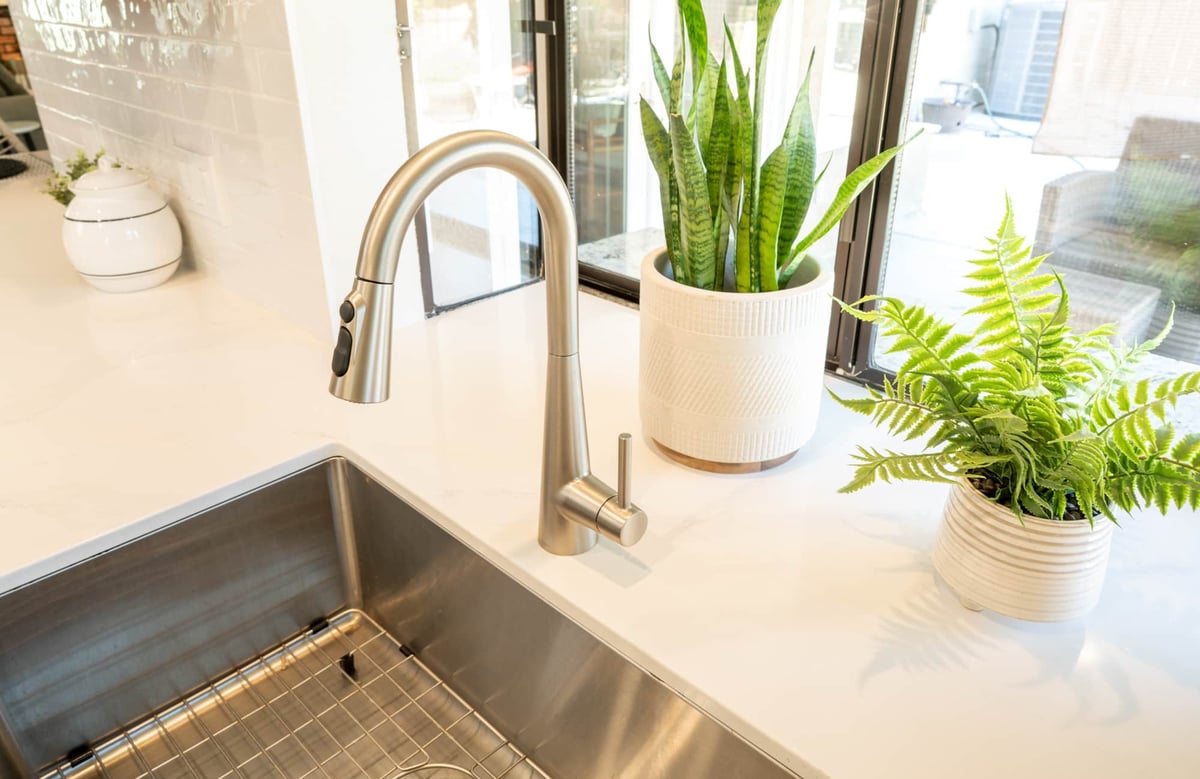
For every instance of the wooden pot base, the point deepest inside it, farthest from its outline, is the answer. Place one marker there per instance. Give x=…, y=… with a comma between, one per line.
x=716, y=467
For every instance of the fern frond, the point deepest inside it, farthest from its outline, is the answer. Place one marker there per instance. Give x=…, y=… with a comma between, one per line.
x=931, y=344
x=1081, y=470
x=900, y=409
x=1134, y=410
x=1114, y=366
x=1009, y=291
x=1158, y=482
x=888, y=466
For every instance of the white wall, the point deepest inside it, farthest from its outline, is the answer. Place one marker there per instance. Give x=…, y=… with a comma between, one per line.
x=351, y=100
x=200, y=96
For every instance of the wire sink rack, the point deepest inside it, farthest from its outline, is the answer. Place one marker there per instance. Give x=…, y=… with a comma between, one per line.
x=343, y=699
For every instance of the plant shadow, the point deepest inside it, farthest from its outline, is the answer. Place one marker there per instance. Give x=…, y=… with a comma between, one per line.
x=930, y=632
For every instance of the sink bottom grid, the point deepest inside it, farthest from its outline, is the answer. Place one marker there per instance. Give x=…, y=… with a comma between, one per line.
x=343, y=699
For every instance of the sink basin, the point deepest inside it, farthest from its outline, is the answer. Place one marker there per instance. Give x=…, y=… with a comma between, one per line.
x=321, y=626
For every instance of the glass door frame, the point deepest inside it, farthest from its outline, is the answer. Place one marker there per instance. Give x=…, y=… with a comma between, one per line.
x=609, y=282
x=551, y=96
x=888, y=47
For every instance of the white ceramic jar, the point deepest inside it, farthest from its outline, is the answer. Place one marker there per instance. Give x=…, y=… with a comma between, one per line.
x=119, y=233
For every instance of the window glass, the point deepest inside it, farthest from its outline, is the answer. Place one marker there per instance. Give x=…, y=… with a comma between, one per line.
x=615, y=187
x=473, y=69
x=1086, y=115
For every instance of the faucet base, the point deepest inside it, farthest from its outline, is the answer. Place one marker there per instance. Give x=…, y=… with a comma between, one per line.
x=578, y=541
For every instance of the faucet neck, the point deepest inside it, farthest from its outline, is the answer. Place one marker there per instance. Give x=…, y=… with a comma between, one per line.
x=404, y=194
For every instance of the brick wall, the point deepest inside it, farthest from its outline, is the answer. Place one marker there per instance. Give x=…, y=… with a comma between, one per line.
x=10, y=50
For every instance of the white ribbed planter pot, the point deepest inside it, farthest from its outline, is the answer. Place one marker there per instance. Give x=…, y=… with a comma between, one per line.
x=732, y=381
x=1043, y=570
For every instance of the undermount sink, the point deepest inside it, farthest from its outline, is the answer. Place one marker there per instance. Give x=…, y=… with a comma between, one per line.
x=321, y=626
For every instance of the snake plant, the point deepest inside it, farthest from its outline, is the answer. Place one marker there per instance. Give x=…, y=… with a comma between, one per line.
x=707, y=155
x=1053, y=419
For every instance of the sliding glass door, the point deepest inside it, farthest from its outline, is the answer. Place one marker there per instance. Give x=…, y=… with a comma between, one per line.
x=473, y=68
x=1083, y=113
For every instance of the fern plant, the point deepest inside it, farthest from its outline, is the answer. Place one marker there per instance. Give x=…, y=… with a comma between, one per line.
x=707, y=154
x=1054, y=420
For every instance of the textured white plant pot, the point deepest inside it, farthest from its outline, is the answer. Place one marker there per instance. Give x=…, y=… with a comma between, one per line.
x=1042, y=570
x=731, y=378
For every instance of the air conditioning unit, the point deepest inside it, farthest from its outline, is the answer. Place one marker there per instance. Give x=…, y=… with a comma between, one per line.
x=1024, y=61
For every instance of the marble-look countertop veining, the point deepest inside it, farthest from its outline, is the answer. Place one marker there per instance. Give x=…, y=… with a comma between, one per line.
x=809, y=621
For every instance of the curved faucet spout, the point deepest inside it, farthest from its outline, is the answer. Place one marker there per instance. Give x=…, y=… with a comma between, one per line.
x=412, y=184
x=575, y=504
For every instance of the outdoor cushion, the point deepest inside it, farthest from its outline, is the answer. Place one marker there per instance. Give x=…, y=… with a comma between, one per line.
x=1173, y=268
x=1159, y=199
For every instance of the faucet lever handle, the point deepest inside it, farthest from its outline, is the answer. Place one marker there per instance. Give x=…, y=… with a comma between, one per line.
x=624, y=470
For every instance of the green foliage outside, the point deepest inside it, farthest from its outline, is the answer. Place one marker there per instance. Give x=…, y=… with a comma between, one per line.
x=1053, y=416
x=707, y=154
x=58, y=185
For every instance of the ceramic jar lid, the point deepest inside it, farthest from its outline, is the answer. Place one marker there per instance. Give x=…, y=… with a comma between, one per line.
x=110, y=193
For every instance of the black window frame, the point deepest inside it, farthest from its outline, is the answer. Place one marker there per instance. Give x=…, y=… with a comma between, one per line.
x=886, y=63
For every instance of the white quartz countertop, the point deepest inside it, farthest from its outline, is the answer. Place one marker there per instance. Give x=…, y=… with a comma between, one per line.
x=810, y=622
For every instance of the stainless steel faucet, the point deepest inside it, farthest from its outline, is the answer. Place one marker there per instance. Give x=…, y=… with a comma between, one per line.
x=575, y=505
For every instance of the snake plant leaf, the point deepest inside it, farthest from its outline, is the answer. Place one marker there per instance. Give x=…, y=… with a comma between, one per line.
x=715, y=152
x=675, y=96
x=742, y=118
x=739, y=115
x=853, y=186
x=773, y=187
x=720, y=245
x=800, y=141
x=696, y=231
x=745, y=271
x=741, y=78
x=765, y=20
x=696, y=28
x=787, y=187
x=731, y=185
x=658, y=145
x=661, y=77
x=705, y=104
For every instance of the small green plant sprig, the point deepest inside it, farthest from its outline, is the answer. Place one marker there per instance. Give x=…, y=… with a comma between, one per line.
x=1054, y=418
x=58, y=185
x=707, y=155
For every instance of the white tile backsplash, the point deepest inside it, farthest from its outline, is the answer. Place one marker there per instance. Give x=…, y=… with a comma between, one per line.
x=200, y=95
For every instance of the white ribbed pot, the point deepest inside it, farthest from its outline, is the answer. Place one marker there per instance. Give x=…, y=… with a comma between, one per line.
x=731, y=382
x=1042, y=570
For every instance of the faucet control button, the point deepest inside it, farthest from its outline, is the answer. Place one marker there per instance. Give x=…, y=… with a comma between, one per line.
x=341, y=352
x=346, y=311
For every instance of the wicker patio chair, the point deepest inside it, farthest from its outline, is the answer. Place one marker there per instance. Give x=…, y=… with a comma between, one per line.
x=9, y=142
x=1136, y=225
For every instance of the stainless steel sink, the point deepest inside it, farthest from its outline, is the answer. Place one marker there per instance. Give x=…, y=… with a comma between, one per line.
x=320, y=626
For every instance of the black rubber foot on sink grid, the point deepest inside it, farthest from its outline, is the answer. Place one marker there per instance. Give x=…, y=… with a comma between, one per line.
x=80, y=755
